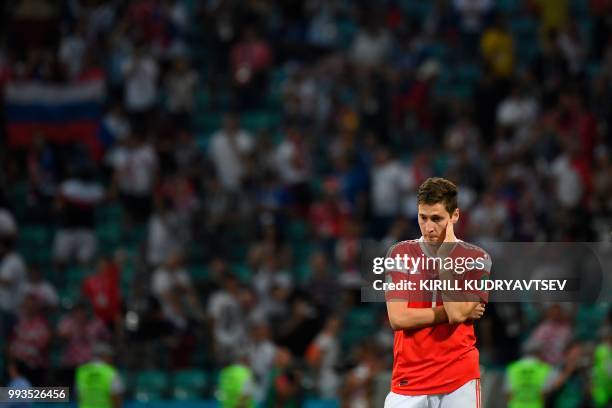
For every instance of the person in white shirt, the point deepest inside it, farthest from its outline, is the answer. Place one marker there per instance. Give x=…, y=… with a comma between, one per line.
x=172, y=286
x=180, y=85
x=389, y=181
x=225, y=313
x=13, y=277
x=227, y=150
x=140, y=72
x=135, y=165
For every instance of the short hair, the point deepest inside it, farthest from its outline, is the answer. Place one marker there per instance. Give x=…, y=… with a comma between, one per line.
x=436, y=190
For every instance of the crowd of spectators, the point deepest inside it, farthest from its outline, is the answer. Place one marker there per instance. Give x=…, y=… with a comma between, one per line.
x=236, y=238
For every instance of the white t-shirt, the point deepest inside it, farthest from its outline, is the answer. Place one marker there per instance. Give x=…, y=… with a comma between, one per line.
x=164, y=280
x=140, y=83
x=136, y=168
x=8, y=225
x=71, y=53
x=569, y=184
x=227, y=156
x=229, y=328
x=285, y=162
x=388, y=182
x=371, y=49
x=13, y=270
x=43, y=290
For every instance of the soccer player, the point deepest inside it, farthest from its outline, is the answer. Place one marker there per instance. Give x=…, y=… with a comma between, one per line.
x=435, y=361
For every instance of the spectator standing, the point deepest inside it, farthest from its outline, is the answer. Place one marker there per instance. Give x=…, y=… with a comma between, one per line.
x=30, y=340
x=228, y=148
x=76, y=203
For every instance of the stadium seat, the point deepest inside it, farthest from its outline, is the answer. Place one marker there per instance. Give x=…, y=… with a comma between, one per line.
x=34, y=236
x=321, y=404
x=256, y=120
x=198, y=272
x=109, y=232
x=150, y=385
x=588, y=319
x=189, y=384
x=208, y=122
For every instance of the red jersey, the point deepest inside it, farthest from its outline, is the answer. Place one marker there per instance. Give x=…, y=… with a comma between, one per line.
x=441, y=358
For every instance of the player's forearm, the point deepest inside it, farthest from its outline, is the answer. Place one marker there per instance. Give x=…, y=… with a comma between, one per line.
x=459, y=312
x=413, y=318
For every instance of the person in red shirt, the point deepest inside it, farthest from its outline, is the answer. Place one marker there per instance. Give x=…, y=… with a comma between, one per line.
x=435, y=361
x=103, y=292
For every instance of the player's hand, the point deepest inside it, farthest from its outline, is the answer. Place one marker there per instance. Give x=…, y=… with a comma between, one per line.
x=450, y=232
x=477, y=312
x=449, y=237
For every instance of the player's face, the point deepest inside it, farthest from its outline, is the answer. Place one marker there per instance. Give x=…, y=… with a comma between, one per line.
x=432, y=221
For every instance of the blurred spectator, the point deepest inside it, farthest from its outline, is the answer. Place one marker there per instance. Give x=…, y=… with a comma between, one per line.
x=102, y=291
x=488, y=220
x=76, y=202
x=497, y=48
x=167, y=233
x=601, y=382
x=79, y=331
x=554, y=331
x=172, y=286
x=571, y=384
x=270, y=275
x=284, y=382
x=180, y=86
x=30, y=340
x=261, y=351
x=42, y=289
x=250, y=59
x=224, y=312
x=323, y=355
x=135, y=166
x=322, y=284
x=140, y=72
x=573, y=47
x=372, y=45
x=301, y=326
x=72, y=49
x=553, y=14
x=388, y=184
x=292, y=159
x=472, y=15
x=8, y=225
x=18, y=381
x=357, y=390
x=115, y=126
x=228, y=147
x=13, y=276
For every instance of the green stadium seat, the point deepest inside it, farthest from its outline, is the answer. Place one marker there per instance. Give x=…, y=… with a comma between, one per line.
x=109, y=232
x=150, y=385
x=256, y=120
x=34, y=236
x=589, y=319
x=111, y=212
x=208, y=122
x=75, y=275
x=189, y=384
x=198, y=272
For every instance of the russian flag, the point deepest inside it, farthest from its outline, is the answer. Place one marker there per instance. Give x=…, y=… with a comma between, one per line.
x=65, y=113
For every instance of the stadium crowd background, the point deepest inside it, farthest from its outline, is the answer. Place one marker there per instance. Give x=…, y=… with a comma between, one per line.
x=247, y=150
